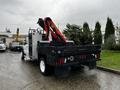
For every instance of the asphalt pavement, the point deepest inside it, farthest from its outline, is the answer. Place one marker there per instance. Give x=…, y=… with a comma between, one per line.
x=18, y=75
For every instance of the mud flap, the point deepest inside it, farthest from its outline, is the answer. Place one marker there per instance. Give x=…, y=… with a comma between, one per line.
x=62, y=71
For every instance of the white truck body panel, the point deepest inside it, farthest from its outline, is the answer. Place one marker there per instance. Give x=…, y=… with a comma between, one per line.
x=35, y=37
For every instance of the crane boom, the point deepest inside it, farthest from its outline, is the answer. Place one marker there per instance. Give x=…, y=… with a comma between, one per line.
x=48, y=25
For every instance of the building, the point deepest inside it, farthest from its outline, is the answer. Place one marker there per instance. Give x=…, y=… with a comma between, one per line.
x=8, y=37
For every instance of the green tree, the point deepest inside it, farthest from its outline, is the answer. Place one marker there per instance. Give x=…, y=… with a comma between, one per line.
x=73, y=32
x=97, y=34
x=86, y=35
x=109, y=38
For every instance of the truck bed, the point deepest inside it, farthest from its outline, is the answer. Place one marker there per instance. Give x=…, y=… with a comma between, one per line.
x=69, y=50
x=81, y=53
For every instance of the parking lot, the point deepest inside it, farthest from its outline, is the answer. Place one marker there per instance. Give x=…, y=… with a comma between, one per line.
x=18, y=75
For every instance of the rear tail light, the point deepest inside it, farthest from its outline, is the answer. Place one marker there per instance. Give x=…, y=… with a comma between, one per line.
x=61, y=61
x=97, y=56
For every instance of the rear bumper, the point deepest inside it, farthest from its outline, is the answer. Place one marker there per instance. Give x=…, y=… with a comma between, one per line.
x=56, y=60
x=78, y=63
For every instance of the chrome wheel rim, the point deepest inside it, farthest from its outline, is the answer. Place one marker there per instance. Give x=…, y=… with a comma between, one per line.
x=42, y=66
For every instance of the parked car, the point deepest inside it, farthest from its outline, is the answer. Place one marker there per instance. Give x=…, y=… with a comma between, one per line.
x=15, y=46
x=2, y=46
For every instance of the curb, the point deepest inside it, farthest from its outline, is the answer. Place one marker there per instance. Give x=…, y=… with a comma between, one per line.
x=108, y=70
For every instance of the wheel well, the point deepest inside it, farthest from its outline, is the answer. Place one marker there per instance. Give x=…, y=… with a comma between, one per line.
x=42, y=56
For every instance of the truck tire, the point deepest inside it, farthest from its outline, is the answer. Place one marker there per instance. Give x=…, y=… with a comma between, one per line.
x=92, y=65
x=45, y=69
x=22, y=57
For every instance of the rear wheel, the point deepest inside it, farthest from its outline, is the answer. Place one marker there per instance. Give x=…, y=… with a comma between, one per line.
x=45, y=69
x=92, y=65
x=22, y=57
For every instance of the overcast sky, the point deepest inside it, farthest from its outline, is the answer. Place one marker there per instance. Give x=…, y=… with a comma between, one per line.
x=25, y=13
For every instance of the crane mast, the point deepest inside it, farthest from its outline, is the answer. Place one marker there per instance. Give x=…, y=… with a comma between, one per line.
x=48, y=26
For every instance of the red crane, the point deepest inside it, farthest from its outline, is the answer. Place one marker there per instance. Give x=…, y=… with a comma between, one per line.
x=48, y=25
